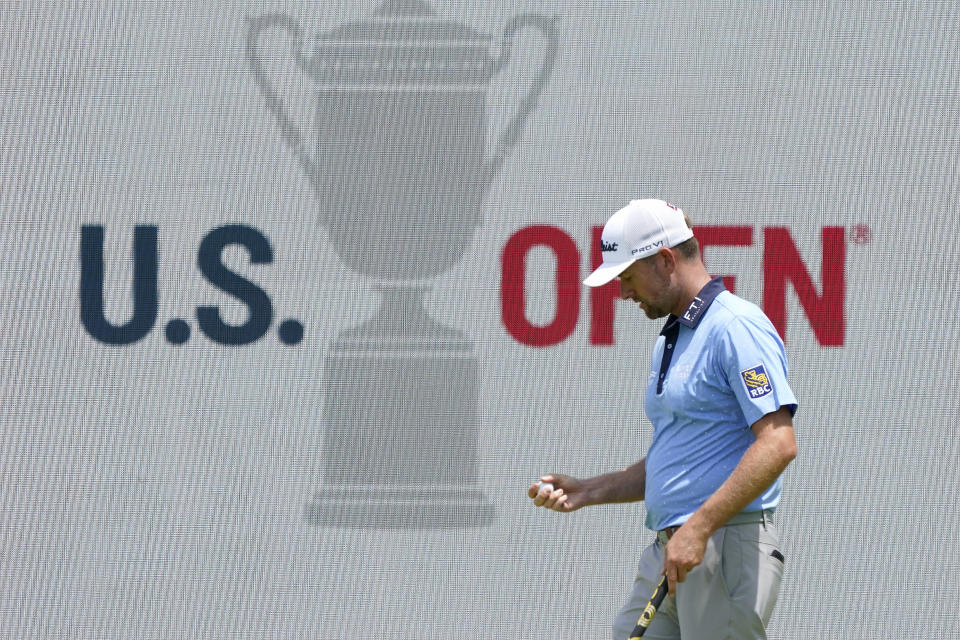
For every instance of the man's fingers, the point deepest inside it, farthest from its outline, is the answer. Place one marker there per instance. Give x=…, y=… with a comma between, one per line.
x=675, y=573
x=550, y=498
x=544, y=495
x=535, y=489
x=671, y=581
x=559, y=502
x=555, y=499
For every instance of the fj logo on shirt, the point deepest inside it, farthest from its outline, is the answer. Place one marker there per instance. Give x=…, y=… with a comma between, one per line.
x=758, y=385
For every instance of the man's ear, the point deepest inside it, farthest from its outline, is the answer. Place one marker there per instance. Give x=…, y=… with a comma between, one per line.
x=667, y=260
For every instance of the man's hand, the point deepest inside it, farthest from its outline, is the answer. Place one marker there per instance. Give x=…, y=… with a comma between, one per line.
x=568, y=493
x=683, y=552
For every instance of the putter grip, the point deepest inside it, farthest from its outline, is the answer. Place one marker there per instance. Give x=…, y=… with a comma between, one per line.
x=655, y=600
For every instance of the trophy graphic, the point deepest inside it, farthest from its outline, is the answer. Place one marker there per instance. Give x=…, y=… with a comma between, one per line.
x=398, y=158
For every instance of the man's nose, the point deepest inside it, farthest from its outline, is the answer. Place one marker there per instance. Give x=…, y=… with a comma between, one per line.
x=625, y=291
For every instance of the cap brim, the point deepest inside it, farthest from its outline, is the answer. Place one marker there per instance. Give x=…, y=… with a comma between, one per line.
x=606, y=272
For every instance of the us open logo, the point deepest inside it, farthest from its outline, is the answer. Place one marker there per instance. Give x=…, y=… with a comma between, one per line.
x=756, y=381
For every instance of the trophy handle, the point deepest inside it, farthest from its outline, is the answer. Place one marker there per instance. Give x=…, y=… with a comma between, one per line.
x=291, y=132
x=511, y=133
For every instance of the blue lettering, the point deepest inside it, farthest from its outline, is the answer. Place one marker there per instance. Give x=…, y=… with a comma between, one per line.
x=144, y=286
x=256, y=300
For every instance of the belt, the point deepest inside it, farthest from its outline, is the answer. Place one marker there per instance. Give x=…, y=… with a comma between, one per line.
x=746, y=517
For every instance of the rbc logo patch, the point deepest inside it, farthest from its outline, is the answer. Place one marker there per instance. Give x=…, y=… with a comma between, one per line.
x=758, y=385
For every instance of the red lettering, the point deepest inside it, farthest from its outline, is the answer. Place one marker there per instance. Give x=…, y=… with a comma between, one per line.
x=602, y=299
x=723, y=236
x=513, y=285
x=782, y=263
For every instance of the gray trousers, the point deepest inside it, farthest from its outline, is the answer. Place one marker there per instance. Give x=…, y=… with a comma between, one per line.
x=731, y=594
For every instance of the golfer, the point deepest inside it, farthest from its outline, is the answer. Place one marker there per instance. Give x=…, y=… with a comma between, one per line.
x=722, y=414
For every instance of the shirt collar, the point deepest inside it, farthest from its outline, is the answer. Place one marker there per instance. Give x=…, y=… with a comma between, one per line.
x=698, y=306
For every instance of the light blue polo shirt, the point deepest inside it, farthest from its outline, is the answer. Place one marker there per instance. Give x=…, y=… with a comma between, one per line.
x=725, y=368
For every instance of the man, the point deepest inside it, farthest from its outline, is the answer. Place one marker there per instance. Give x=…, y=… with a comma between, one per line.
x=722, y=412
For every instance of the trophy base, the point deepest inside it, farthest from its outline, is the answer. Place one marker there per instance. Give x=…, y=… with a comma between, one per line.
x=376, y=507
x=401, y=419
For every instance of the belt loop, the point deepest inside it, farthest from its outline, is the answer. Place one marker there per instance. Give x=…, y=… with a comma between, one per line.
x=764, y=517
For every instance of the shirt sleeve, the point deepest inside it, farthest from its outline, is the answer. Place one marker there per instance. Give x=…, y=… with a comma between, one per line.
x=755, y=365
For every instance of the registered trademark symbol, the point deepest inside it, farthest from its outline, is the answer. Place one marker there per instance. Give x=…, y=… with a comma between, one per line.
x=860, y=234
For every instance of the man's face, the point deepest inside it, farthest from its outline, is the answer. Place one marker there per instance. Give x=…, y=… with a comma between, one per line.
x=647, y=283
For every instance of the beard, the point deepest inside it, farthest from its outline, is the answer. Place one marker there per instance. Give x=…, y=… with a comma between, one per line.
x=653, y=311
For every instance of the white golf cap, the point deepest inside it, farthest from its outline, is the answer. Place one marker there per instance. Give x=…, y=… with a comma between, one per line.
x=640, y=229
